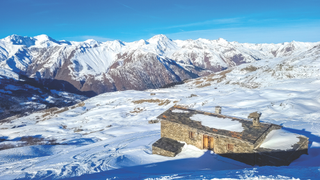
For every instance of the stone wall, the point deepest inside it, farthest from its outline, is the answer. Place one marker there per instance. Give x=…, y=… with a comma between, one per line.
x=304, y=142
x=162, y=152
x=180, y=132
x=221, y=145
x=241, y=151
x=167, y=147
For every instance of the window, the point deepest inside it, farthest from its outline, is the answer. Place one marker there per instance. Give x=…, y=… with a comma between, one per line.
x=191, y=135
x=230, y=147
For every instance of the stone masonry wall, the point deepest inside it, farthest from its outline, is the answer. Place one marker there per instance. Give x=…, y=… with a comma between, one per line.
x=242, y=151
x=180, y=132
x=156, y=150
x=304, y=143
x=221, y=146
x=302, y=149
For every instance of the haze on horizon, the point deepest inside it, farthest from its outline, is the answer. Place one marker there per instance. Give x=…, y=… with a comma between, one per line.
x=243, y=21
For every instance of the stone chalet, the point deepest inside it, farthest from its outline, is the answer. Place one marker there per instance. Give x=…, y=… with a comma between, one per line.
x=235, y=138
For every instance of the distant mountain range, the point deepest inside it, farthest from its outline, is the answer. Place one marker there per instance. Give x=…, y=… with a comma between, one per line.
x=93, y=67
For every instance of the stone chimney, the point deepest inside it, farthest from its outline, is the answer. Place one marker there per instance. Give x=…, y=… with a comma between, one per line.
x=218, y=110
x=255, y=116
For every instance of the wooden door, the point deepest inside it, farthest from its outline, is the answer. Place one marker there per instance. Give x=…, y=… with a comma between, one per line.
x=211, y=143
x=205, y=142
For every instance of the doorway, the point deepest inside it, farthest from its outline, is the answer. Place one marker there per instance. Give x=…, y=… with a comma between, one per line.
x=208, y=142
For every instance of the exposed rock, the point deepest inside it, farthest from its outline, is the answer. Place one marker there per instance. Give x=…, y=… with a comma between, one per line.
x=153, y=121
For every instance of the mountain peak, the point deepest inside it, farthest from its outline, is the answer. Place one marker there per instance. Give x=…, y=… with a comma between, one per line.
x=221, y=40
x=43, y=37
x=161, y=43
x=20, y=40
x=91, y=41
x=45, y=40
x=159, y=37
x=142, y=42
x=13, y=36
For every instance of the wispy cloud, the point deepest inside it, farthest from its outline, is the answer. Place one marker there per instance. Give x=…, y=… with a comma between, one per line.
x=124, y=5
x=208, y=22
x=255, y=34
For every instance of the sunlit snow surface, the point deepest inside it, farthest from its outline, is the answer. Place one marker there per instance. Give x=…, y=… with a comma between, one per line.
x=110, y=137
x=218, y=123
x=179, y=111
x=280, y=139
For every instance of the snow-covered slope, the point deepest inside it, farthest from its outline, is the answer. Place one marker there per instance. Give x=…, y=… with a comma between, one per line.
x=115, y=65
x=20, y=96
x=267, y=72
x=109, y=137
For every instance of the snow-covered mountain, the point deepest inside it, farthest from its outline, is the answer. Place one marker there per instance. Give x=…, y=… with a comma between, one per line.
x=264, y=73
x=96, y=67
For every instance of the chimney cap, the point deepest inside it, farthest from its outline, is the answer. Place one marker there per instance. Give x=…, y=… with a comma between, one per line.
x=254, y=115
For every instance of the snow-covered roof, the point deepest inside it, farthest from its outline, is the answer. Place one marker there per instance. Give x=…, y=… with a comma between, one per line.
x=218, y=124
x=280, y=139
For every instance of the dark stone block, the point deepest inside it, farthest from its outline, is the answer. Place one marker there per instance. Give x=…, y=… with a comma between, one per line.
x=171, y=147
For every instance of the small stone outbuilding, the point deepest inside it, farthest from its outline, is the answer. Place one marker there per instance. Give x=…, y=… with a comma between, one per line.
x=167, y=147
x=235, y=138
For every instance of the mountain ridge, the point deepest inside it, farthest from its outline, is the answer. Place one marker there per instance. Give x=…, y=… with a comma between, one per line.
x=116, y=65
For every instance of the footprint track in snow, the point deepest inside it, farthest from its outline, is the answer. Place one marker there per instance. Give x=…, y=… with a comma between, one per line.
x=97, y=158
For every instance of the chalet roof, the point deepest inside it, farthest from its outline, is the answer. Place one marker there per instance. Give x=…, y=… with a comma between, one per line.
x=249, y=133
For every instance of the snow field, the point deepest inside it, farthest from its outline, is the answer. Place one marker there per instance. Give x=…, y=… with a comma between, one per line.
x=107, y=134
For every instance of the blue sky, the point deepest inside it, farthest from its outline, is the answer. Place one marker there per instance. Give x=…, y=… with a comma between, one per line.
x=253, y=21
